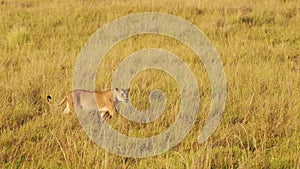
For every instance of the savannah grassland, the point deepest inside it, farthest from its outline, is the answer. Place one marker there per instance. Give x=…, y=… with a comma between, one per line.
x=258, y=43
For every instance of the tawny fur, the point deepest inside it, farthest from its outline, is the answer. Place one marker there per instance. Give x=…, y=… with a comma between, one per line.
x=105, y=100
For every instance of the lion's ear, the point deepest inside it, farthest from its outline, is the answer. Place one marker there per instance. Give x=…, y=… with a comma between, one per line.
x=128, y=89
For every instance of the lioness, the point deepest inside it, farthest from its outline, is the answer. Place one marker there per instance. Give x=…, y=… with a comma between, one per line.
x=102, y=101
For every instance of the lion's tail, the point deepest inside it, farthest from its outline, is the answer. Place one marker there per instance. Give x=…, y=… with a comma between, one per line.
x=62, y=102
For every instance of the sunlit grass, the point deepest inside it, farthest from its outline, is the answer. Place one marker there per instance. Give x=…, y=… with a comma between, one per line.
x=258, y=43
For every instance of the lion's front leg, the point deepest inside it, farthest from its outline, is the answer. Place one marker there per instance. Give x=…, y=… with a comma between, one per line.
x=104, y=115
x=112, y=110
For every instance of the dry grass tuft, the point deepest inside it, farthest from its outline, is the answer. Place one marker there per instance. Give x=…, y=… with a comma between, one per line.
x=258, y=43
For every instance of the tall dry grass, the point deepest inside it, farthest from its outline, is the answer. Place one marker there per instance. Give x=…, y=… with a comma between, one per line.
x=258, y=43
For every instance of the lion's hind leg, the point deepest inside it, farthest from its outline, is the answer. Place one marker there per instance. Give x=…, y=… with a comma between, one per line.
x=70, y=106
x=67, y=109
